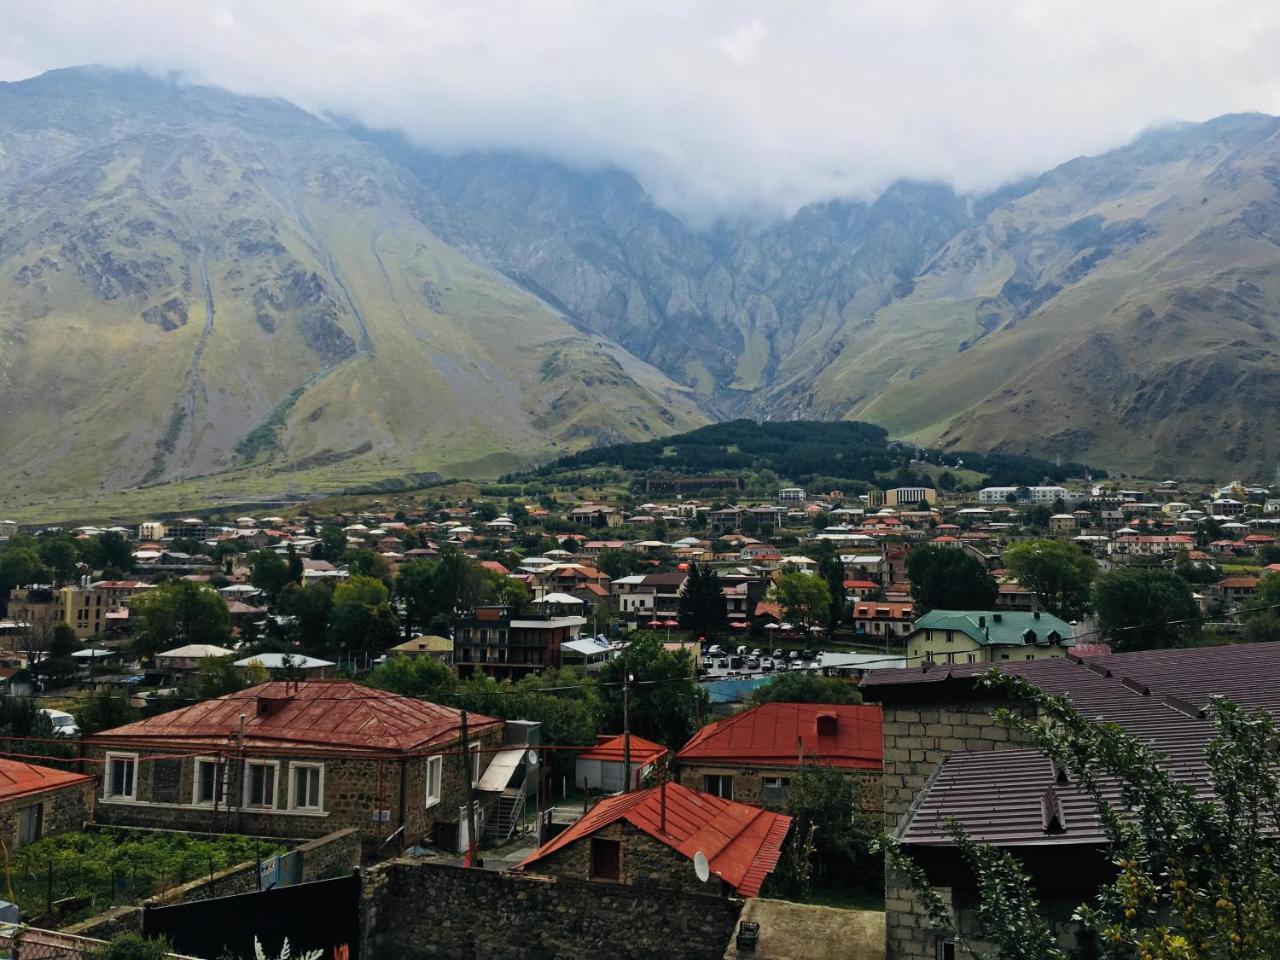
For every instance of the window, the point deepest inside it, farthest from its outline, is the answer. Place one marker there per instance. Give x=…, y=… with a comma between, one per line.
x=120, y=780
x=435, y=777
x=30, y=821
x=475, y=763
x=210, y=782
x=947, y=950
x=260, y=785
x=774, y=789
x=606, y=859
x=308, y=786
x=718, y=785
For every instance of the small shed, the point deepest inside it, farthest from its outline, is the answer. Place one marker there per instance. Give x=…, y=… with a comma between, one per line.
x=601, y=767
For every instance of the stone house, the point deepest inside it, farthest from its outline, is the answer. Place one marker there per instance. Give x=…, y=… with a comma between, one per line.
x=752, y=755
x=649, y=838
x=603, y=767
x=299, y=759
x=946, y=757
x=40, y=801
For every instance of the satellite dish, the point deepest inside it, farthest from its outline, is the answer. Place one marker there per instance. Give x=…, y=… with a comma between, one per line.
x=531, y=757
x=701, y=867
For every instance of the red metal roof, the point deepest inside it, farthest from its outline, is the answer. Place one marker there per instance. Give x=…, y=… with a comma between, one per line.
x=18, y=779
x=310, y=715
x=742, y=843
x=775, y=735
x=610, y=749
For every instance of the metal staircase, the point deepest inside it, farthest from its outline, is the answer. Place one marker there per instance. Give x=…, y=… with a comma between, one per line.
x=505, y=817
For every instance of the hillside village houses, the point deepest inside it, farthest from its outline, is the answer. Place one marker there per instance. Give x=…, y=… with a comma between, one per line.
x=313, y=749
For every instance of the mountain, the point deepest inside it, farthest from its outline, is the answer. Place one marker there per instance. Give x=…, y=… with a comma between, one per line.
x=198, y=284
x=205, y=295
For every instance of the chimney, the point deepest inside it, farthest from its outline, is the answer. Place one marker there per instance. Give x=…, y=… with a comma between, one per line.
x=1035, y=614
x=997, y=618
x=269, y=705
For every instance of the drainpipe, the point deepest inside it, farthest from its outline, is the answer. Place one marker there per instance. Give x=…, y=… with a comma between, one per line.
x=404, y=766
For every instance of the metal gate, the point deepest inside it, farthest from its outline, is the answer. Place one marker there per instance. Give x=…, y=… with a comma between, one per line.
x=323, y=915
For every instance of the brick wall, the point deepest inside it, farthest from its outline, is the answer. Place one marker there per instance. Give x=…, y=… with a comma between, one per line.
x=61, y=810
x=916, y=739
x=415, y=909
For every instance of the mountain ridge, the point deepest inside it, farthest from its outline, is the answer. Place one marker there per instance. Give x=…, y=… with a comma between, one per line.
x=197, y=284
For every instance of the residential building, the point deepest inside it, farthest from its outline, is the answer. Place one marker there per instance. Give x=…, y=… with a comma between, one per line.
x=648, y=596
x=438, y=648
x=909, y=496
x=987, y=636
x=297, y=759
x=947, y=759
x=40, y=801
x=510, y=644
x=1033, y=494
x=883, y=620
x=752, y=755
x=604, y=766
x=1236, y=590
x=289, y=666
x=650, y=838
x=187, y=659
x=791, y=495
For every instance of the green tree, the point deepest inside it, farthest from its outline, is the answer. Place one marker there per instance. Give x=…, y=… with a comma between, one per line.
x=1196, y=871
x=666, y=701
x=309, y=606
x=703, y=607
x=116, y=551
x=946, y=578
x=366, y=563
x=104, y=710
x=616, y=563
x=805, y=687
x=415, y=588
x=1059, y=573
x=1134, y=604
x=269, y=572
x=415, y=677
x=296, y=567
x=830, y=826
x=831, y=570
x=177, y=613
x=331, y=545
x=60, y=556
x=218, y=676
x=130, y=946
x=361, y=618
x=19, y=566
x=804, y=599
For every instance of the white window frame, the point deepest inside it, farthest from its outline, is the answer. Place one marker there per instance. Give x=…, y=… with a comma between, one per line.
x=291, y=799
x=275, y=784
x=473, y=764
x=437, y=761
x=219, y=789
x=111, y=758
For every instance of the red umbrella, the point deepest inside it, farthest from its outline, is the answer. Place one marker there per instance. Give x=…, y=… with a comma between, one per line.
x=671, y=623
x=738, y=625
x=654, y=623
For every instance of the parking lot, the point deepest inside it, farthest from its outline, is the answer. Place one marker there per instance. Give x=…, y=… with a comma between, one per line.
x=732, y=664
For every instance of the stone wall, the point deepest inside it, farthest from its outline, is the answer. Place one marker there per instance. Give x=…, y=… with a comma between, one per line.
x=748, y=784
x=62, y=809
x=415, y=909
x=354, y=790
x=917, y=738
x=645, y=862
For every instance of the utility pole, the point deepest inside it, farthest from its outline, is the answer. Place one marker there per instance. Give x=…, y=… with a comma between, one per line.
x=626, y=732
x=472, y=843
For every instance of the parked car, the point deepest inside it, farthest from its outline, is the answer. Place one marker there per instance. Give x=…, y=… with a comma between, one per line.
x=708, y=663
x=778, y=654
x=757, y=652
x=766, y=664
x=64, y=724
x=793, y=655
x=796, y=665
x=814, y=665
x=715, y=650
x=753, y=663
x=722, y=663
x=742, y=651
x=808, y=655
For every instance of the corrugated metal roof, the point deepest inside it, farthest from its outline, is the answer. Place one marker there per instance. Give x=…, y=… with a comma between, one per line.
x=1156, y=695
x=18, y=779
x=610, y=749
x=775, y=735
x=317, y=715
x=742, y=843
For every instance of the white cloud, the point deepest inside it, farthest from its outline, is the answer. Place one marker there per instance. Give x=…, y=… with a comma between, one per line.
x=717, y=106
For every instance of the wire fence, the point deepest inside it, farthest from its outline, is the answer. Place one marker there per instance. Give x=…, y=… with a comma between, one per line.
x=31, y=943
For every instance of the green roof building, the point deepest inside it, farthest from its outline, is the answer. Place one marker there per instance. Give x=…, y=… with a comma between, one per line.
x=987, y=636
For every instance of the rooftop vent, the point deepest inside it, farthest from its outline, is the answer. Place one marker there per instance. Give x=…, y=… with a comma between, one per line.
x=997, y=618
x=826, y=724
x=271, y=704
x=1035, y=614
x=1052, y=818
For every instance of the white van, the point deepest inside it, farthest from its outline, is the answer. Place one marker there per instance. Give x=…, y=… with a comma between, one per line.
x=64, y=724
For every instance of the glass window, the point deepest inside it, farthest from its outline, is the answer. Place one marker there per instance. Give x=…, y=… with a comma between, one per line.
x=718, y=785
x=306, y=786
x=475, y=763
x=606, y=859
x=209, y=783
x=435, y=776
x=30, y=821
x=120, y=776
x=260, y=785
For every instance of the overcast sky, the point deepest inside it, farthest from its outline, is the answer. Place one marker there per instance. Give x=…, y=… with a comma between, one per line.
x=718, y=107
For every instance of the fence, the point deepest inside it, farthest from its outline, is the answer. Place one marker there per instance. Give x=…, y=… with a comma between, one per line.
x=30, y=943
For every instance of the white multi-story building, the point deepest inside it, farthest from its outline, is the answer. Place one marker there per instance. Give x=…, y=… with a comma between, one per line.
x=791, y=495
x=1035, y=494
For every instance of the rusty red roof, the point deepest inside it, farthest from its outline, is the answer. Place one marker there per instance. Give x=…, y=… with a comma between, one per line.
x=742, y=843
x=610, y=749
x=303, y=715
x=776, y=734
x=19, y=779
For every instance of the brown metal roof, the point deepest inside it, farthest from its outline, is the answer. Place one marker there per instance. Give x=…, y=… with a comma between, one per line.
x=1013, y=797
x=325, y=715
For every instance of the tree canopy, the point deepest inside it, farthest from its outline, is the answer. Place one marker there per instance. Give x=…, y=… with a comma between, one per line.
x=667, y=703
x=804, y=599
x=946, y=578
x=1059, y=573
x=177, y=613
x=702, y=604
x=805, y=687
x=1134, y=604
